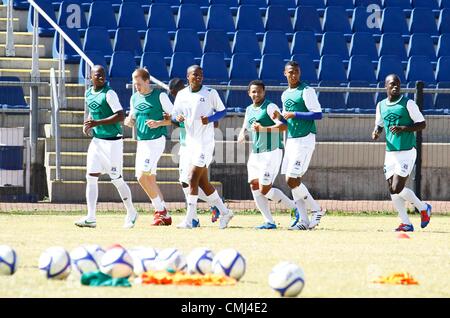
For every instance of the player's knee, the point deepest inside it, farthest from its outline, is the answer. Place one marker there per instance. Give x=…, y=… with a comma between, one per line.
x=397, y=188
x=254, y=185
x=293, y=182
x=265, y=189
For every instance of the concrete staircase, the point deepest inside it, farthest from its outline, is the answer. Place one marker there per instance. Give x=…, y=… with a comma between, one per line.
x=71, y=188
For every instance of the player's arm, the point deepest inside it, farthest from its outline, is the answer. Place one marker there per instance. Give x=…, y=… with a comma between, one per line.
x=241, y=136
x=279, y=125
x=167, y=110
x=312, y=104
x=113, y=101
x=130, y=120
x=218, y=106
x=378, y=124
x=416, y=116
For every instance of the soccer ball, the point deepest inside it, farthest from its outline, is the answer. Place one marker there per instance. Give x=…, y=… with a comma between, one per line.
x=117, y=262
x=171, y=260
x=143, y=259
x=8, y=260
x=199, y=261
x=54, y=263
x=287, y=279
x=86, y=258
x=229, y=262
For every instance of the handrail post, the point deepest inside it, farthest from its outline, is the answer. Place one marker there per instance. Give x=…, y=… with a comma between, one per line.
x=62, y=75
x=10, y=50
x=35, y=49
x=419, y=98
x=55, y=122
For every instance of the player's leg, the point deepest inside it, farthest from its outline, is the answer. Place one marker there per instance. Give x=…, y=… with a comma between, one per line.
x=399, y=205
x=191, y=219
x=299, y=216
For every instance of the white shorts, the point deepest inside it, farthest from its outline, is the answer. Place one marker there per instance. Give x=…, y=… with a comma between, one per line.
x=105, y=156
x=264, y=166
x=297, y=155
x=148, y=153
x=200, y=156
x=184, y=164
x=399, y=162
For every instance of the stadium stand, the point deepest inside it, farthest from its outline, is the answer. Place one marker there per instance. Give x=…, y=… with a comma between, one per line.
x=363, y=43
x=307, y=19
x=307, y=67
x=392, y=44
x=98, y=58
x=360, y=19
x=276, y=42
x=71, y=16
x=101, y=14
x=249, y=18
x=214, y=68
x=131, y=15
x=278, y=19
x=158, y=40
x=388, y=64
x=190, y=17
x=186, y=40
x=160, y=16
x=336, y=20
x=332, y=69
x=44, y=27
x=70, y=55
x=245, y=41
x=444, y=21
x=333, y=43
x=156, y=65
x=219, y=18
x=127, y=39
x=304, y=42
x=180, y=62
x=360, y=68
x=421, y=44
x=360, y=102
x=217, y=41
x=97, y=39
x=420, y=69
x=271, y=69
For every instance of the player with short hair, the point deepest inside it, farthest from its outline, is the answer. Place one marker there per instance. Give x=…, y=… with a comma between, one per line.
x=267, y=152
x=402, y=118
x=147, y=109
x=198, y=106
x=105, y=153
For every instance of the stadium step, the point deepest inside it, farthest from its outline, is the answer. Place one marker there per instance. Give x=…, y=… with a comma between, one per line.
x=19, y=37
x=22, y=50
x=25, y=63
x=25, y=74
x=72, y=90
x=16, y=23
x=75, y=104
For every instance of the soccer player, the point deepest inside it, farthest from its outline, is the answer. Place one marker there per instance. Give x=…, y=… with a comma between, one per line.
x=198, y=107
x=105, y=153
x=401, y=117
x=300, y=109
x=267, y=152
x=147, y=108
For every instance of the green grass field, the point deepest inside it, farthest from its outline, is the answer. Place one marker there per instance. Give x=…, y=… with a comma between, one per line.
x=340, y=258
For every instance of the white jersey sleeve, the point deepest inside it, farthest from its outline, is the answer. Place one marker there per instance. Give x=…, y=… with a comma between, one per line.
x=131, y=112
x=166, y=103
x=311, y=100
x=216, y=102
x=113, y=101
x=271, y=109
x=378, y=119
x=414, y=112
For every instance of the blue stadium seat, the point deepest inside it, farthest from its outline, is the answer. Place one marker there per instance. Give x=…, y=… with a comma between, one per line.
x=158, y=40
x=421, y=44
x=362, y=23
x=442, y=100
x=115, y=4
x=127, y=39
x=154, y=62
x=402, y=4
x=72, y=16
x=360, y=68
x=336, y=20
x=390, y=64
x=271, y=69
x=363, y=43
x=204, y=4
x=249, y=18
x=291, y=5
x=220, y=18
x=86, y=5
x=11, y=96
x=333, y=43
x=420, y=69
x=144, y=4
x=366, y=3
x=443, y=48
x=131, y=15
x=276, y=42
x=423, y=21
x=180, y=63
x=330, y=101
x=394, y=21
x=216, y=41
x=332, y=69
x=70, y=55
x=443, y=69
x=429, y=4
x=278, y=19
x=245, y=41
x=360, y=102
x=44, y=28
x=346, y=4
x=307, y=68
x=380, y=95
x=392, y=44
x=101, y=14
x=97, y=39
x=190, y=17
x=232, y=4
x=444, y=21
x=444, y=4
x=214, y=68
x=160, y=17
x=318, y=5
x=237, y=100
x=122, y=65
x=186, y=40
x=97, y=58
x=19, y=4
x=173, y=4
x=304, y=42
x=243, y=67
x=307, y=19
x=261, y=4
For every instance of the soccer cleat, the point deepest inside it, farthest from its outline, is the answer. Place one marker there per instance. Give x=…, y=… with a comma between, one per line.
x=315, y=218
x=130, y=220
x=84, y=222
x=266, y=226
x=161, y=218
x=189, y=224
x=425, y=216
x=225, y=219
x=215, y=214
x=300, y=226
x=295, y=217
x=405, y=228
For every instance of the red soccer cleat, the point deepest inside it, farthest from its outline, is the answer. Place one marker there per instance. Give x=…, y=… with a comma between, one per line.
x=161, y=218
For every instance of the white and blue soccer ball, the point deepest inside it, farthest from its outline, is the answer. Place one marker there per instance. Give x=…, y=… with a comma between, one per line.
x=229, y=262
x=199, y=261
x=287, y=279
x=171, y=260
x=117, y=263
x=86, y=258
x=54, y=263
x=144, y=259
x=8, y=260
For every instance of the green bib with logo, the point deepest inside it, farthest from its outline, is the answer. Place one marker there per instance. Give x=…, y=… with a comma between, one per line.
x=148, y=107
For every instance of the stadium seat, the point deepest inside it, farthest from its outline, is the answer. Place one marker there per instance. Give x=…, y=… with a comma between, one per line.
x=220, y=18
x=122, y=65
x=86, y=5
x=390, y=64
x=249, y=18
x=366, y=3
x=402, y=4
x=331, y=68
x=101, y=14
x=216, y=41
x=11, y=96
x=333, y=43
x=243, y=68
x=160, y=17
x=260, y=4
x=214, y=68
x=173, y=4
x=360, y=102
x=331, y=101
x=363, y=44
x=392, y=44
x=345, y=4
x=190, y=17
x=361, y=22
x=420, y=69
x=237, y=100
x=157, y=40
x=186, y=40
x=304, y=42
x=291, y=5
x=70, y=55
x=394, y=21
x=231, y=4
x=271, y=69
x=307, y=68
x=72, y=16
x=443, y=69
x=97, y=39
x=336, y=20
x=443, y=48
x=245, y=41
x=154, y=62
x=423, y=21
x=276, y=42
x=144, y=4
x=318, y=5
x=380, y=95
x=360, y=68
x=421, y=44
x=97, y=58
x=307, y=19
x=444, y=4
x=44, y=28
x=180, y=63
x=278, y=19
x=203, y=4
x=127, y=39
x=19, y=4
x=131, y=15
x=429, y=4
x=444, y=21
x=442, y=101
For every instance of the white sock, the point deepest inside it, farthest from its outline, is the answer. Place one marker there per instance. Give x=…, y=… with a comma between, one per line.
x=125, y=194
x=215, y=200
x=192, y=207
x=301, y=192
x=399, y=205
x=91, y=196
x=158, y=204
x=276, y=195
x=262, y=203
x=409, y=195
x=186, y=192
x=301, y=207
x=202, y=195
